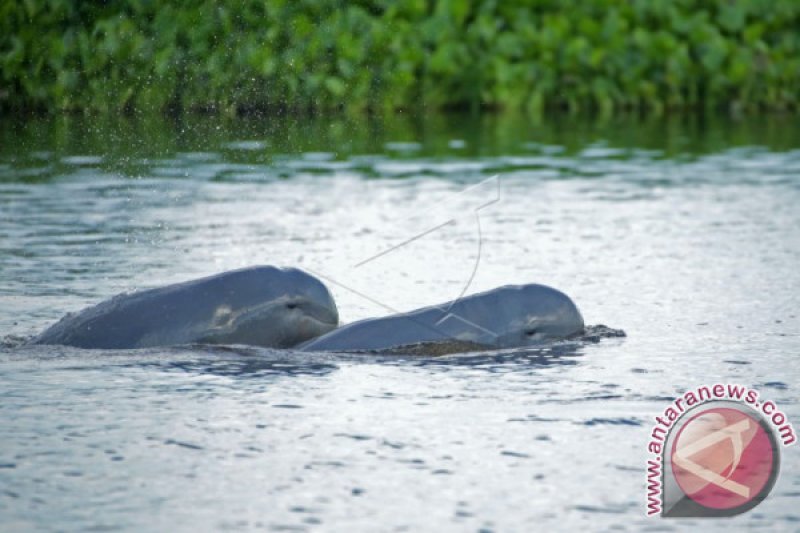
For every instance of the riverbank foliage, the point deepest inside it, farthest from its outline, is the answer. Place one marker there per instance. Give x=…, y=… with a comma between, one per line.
x=245, y=55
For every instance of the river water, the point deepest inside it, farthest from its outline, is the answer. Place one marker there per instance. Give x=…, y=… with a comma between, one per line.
x=684, y=233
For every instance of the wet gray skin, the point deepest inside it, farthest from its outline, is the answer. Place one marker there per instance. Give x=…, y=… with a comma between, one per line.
x=506, y=317
x=261, y=306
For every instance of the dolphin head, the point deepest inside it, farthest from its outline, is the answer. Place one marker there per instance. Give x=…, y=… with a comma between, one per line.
x=293, y=308
x=307, y=312
x=522, y=315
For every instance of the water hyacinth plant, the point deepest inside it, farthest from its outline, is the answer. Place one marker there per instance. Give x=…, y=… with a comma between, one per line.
x=237, y=56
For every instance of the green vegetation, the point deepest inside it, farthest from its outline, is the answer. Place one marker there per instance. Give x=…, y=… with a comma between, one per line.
x=317, y=55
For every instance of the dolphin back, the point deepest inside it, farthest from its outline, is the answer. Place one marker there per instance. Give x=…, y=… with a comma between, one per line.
x=174, y=314
x=491, y=319
x=381, y=333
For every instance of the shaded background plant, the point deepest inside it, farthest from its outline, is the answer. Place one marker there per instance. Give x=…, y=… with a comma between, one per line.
x=247, y=55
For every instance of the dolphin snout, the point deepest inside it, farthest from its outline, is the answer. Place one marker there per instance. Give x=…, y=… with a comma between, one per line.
x=318, y=320
x=320, y=309
x=325, y=314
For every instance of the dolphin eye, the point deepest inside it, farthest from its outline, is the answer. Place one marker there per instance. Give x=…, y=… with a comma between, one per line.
x=530, y=332
x=291, y=305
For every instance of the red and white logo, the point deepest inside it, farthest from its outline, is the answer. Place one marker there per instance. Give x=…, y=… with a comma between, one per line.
x=723, y=457
x=715, y=451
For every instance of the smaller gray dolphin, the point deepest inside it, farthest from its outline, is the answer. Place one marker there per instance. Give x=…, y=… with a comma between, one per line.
x=506, y=317
x=261, y=306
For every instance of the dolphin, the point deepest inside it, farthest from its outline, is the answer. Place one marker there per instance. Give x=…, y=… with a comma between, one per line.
x=506, y=317
x=262, y=306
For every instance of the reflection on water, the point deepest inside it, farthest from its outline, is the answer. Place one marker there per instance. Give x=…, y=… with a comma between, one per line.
x=683, y=232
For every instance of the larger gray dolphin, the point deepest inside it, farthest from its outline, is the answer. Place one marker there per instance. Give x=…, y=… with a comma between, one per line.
x=262, y=306
x=509, y=316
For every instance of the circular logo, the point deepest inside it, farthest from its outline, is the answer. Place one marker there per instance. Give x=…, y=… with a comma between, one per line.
x=725, y=458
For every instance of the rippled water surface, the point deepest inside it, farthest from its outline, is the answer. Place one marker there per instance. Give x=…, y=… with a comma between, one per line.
x=686, y=234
